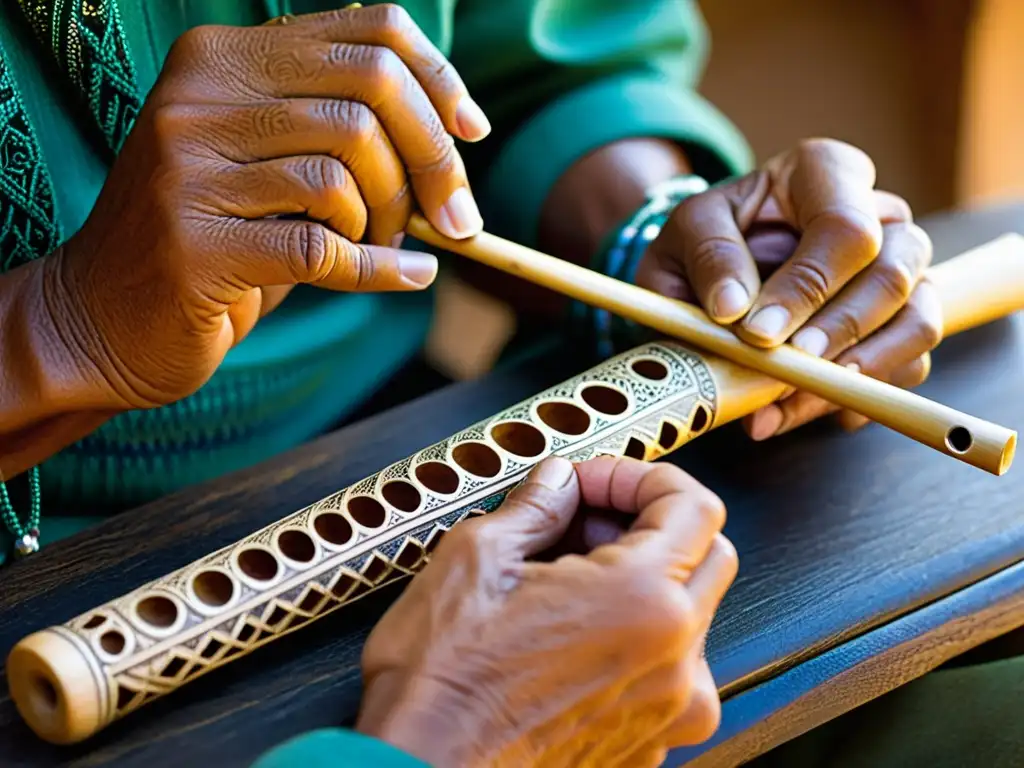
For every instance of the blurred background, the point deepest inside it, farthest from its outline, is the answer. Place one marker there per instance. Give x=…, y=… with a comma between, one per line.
x=933, y=90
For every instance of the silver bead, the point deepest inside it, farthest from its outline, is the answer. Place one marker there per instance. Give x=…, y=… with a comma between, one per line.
x=26, y=545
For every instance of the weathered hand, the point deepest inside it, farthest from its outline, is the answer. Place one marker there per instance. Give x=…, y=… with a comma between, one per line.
x=844, y=267
x=493, y=658
x=264, y=157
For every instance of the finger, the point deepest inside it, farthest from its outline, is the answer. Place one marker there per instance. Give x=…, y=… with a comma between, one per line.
x=713, y=577
x=703, y=241
x=907, y=376
x=288, y=252
x=910, y=335
x=390, y=26
x=832, y=197
x=677, y=521
x=611, y=482
x=915, y=330
x=377, y=77
x=318, y=186
x=536, y=514
x=873, y=297
x=346, y=130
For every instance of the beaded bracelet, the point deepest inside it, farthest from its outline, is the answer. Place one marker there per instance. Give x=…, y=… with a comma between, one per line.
x=619, y=256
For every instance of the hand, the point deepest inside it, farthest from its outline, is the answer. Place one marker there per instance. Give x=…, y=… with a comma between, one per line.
x=339, y=118
x=843, y=266
x=490, y=658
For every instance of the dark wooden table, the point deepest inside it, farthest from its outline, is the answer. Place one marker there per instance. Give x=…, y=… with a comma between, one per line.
x=866, y=560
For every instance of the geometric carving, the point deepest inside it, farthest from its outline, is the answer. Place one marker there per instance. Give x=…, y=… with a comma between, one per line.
x=643, y=404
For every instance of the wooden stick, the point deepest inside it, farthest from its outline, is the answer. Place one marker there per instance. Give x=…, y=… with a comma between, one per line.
x=972, y=440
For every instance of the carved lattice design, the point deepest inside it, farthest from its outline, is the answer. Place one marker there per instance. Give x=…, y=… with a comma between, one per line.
x=384, y=527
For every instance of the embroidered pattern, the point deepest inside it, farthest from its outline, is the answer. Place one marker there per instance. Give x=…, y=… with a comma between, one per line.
x=88, y=41
x=28, y=220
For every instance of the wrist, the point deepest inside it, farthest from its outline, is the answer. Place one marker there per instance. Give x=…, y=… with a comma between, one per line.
x=431, y=721
x=47, y=400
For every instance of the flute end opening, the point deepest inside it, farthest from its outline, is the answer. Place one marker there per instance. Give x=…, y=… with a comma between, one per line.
x=1008, y=453
x=53, y=688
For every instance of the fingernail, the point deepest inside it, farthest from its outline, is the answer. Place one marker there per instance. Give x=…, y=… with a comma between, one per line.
x=853, y=367
x=813, y=341
x=729, y=300
x=397, y=240
x=473, y=123
x=459, y=216
x=769, y=322
x=418, y=269
x=554, y=473
x=765, y=422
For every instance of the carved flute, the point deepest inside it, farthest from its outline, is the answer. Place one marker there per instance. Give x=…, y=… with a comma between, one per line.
x=975, y=441
x=70, y=681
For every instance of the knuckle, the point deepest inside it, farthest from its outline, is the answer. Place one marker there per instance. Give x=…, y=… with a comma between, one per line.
x=726, y=554
x=848, y=326
x=385, y=71
x=710, y=507
x=894, y=278
x=927, y=331
x=311, y=252
x=394, y=23
x=359, y=120
x=712, y=254
x=859, y=234
x=921, y=243
x=810, y=281
x=923, y=369
x=664, y=611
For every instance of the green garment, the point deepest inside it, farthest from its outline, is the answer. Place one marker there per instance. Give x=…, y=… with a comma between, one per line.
x=557, y=78
x=336, y=748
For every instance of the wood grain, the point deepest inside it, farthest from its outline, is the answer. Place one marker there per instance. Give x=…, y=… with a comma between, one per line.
x=838, y=535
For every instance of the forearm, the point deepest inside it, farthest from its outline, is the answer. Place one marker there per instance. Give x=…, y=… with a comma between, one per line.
x=46, y=403
x=596, y=194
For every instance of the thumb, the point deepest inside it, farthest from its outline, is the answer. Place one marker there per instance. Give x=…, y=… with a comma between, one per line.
x=537, y=514
x=286, y=252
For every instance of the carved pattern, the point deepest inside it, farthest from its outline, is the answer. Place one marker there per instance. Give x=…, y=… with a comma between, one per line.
x=155, y=639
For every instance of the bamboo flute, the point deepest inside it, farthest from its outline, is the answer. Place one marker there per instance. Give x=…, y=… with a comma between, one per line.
x=972, y=440
x=70, y=681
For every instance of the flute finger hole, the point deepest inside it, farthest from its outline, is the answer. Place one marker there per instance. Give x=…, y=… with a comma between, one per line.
x=959, y=440
x=366, y=511
x=635, y=449
x=402, y=495
x=668, y=435
x=649, y=368
x=604, y=399
x=519, y=438
x=213, y=588
x=438, y=477
x=258, y=564
x=477, y=459
x=567, y=418
x=94, y=621
x=297, y=546
x=701, y=418
x=112, y=642
x=157, y=611
x=333, y=528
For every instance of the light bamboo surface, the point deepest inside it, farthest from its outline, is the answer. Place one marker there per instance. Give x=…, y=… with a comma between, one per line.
x=69, y=682
x=994, y=272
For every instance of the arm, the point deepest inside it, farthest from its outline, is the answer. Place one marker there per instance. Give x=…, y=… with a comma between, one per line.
x=589, y=109
x=46, y=401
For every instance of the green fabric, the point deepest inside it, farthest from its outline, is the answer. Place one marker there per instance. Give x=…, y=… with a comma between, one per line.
x=967, y=717
x=336, y=748
x=557, y=78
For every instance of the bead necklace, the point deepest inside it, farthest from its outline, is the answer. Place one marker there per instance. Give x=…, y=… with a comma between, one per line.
x=26, y=539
